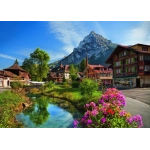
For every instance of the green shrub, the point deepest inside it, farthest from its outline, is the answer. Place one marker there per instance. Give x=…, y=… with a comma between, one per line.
x=88, y=87
x=66, y=85
x=15, y=85
x=75, y=84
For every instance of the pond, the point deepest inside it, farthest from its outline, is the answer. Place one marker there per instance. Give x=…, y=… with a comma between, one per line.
x=49, y=113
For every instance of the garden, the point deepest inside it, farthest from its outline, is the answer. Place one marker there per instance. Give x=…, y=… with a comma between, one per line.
x=108, y=113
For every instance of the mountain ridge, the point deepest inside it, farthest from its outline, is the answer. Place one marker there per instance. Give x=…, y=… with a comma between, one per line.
x=96, y=47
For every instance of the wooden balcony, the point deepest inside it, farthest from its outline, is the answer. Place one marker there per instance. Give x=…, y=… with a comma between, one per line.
x=106, y=77
x=122, y=75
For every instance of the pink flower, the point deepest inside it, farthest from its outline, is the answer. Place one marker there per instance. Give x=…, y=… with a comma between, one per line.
x=87, y=105
x=103, y=120
x=122, y=113
x=92, y=104
x=89, y=121
x=94, y=112
x=75, y=123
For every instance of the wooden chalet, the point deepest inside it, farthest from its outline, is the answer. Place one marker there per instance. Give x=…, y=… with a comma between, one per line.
x=59, y=73
x=131, y=65
x=98, y=72
x=12, y=74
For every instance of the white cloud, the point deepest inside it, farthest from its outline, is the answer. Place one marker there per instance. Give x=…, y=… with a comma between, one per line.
x=10, y=57
x=55, y=55
x=69, y=33
x=139, y=34
x=25, y=52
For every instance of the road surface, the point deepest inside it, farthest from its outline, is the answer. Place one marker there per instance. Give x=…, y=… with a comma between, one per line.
x=138, y=102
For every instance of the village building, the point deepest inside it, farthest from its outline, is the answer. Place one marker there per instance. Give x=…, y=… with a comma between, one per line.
x=131, y=65
x=12, y=74
x=59, y=73
x=98, y=72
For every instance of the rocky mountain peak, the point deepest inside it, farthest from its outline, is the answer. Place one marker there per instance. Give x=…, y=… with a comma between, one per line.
x=95, y=46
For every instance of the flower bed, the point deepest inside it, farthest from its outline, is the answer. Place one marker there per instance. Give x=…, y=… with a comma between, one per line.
x=108, y=113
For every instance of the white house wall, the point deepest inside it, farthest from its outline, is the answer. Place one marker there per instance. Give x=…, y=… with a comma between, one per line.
x=66, y=75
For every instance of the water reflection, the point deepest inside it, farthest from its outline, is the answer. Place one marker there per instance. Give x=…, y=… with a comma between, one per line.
x=49, y=113
x=38, y=112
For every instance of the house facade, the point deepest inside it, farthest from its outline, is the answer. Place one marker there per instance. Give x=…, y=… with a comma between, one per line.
x=98, y=72
x=131, y=66
x=59, y=73
x=12, y=74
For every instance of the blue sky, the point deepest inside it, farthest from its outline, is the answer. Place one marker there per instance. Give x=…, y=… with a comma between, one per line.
x=20, y=38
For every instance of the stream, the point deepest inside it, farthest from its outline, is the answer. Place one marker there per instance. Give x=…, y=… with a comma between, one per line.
x=47, y=112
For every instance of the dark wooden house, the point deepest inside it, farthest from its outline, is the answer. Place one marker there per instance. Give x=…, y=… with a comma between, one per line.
x=131, y=65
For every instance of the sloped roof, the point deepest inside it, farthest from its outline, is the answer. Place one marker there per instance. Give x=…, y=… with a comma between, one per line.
x=15, y=67
x=95, y=66
x=117, y=49
x=9, y=74
x=140, y=44
x=23, y=74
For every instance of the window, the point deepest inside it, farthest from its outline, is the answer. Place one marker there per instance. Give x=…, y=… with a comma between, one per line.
x=147, y=67
x=144, y=48
x=118, y=63
x=141, y=57
x=133, y=69
x=129, y=61
x=141, y=67
x=146, y=57
x=118, y=71
x=124, y=53
x=119, y=54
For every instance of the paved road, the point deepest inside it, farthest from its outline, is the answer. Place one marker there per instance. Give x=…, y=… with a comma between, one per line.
x=138, y=102
x=140, y=94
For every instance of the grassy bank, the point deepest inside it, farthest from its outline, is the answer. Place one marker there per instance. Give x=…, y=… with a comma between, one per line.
x=11, y=103
x=74, y=96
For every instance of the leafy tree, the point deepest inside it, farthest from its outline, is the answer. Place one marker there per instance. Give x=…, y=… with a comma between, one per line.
x=82, y=65
x=30, y=67
x=37, y=64
x=88, y=87
x=73, y=72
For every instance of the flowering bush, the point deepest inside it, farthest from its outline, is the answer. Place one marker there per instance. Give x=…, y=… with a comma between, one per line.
x=107, y=113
